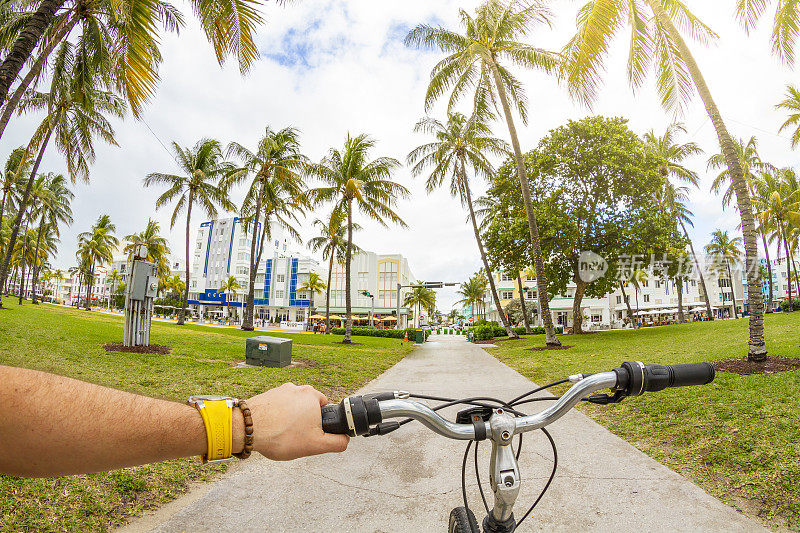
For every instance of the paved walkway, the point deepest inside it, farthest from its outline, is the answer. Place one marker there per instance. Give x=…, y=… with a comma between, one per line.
x=409, y=480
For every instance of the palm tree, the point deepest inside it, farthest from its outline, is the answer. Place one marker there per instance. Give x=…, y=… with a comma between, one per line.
x=175, y=285
x=313, y=285
x=54, y=205
x=671, y=154
x=420, y=298
x=477, y=60
x=130, y=30
x=57, y=275
x=231, y=286
x=459, y=143
x=778, y=206
x=157, y=246
x=657, y=42
x=75, y=114
x=203, y=169
x=792, y=105
x=276, y=190
x=726, y=250
x=472, y=292
x=349, y=178
x=785, y=30
x=96, y=247
x=332, y=241
x=17, y=166
x=638, y=278
x=114, y=278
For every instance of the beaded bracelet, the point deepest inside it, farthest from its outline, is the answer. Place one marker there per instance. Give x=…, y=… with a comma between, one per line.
x=248, y=431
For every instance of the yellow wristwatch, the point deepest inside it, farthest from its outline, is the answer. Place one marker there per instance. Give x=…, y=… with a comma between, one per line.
x=217, y=413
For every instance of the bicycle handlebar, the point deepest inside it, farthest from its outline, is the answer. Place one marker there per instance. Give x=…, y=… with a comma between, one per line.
x=365, y=415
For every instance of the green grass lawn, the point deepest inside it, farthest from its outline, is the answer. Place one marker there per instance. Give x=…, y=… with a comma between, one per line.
x=738, y=438
x=69, y=342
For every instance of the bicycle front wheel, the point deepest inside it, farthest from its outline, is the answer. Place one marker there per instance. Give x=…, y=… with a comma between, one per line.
x=462, y=520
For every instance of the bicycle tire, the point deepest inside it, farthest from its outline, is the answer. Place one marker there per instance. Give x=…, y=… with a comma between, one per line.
x=462, y=520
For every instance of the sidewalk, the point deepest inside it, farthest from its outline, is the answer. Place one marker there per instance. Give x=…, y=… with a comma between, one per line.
x=409, y=480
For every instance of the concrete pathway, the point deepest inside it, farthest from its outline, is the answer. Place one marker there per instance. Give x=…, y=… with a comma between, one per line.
x=409, y=480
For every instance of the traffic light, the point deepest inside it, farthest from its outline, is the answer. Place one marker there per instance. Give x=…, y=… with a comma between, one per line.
x=367, y=294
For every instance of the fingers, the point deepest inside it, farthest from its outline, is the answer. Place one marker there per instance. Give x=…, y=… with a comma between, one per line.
x=330, y=443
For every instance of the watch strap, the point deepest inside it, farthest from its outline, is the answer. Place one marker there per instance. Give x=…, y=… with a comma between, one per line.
x=218, y=419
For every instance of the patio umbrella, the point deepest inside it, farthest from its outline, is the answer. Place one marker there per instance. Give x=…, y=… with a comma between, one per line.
x=389, y=319
x=336, y=317
x=317, y=317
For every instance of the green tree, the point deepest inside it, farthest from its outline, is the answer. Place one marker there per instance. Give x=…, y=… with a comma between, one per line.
x=230, y=286
x=477, y=61
x=275, y=190
x=726, y=252
x=313, y=285
x=460, y=143
x=777, y=203
x=351, y=178
x=96, y=247
x=114, y=278
x=76, y=110
x=203, y=168
x=332, y=241
x=657, y=42
x=420, y=298
x=156, y=244
x=792, y=105
x=53, y=202
x=604, y=184
x=16, y=168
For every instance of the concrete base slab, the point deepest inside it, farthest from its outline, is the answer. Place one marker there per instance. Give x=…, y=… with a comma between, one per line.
x=409, y=480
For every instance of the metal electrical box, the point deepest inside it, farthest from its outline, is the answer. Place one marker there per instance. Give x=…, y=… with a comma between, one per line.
x=268, y=351
x=143, y=281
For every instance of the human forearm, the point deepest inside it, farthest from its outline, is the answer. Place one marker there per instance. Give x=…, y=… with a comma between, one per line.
x=51, y=425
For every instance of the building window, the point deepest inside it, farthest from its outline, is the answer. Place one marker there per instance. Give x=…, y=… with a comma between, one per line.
x=597, y=318
x=300, y=315
x=646, y=283
x=530, y=294
x=506, y=295
x=302, y=295
x=658, y=284
x=505, y=276
x=280, y=278
x=647, y=297
x=278, y=294
x=619, y=300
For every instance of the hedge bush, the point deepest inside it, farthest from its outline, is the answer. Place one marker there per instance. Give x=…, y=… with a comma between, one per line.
x=385, y=333
x=490, y=330
x=795, y=305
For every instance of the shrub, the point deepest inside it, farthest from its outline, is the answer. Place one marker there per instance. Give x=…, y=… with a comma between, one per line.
x=484, y=332
x=385, y=333
x=795, y=305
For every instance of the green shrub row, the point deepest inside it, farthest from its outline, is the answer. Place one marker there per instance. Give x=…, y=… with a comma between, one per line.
x=489, y=330
x=795, y=305
x=385, y=333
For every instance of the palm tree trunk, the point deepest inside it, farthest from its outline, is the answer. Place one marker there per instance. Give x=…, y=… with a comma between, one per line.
x=541, y=282
x=250, y=306
x=510, y=332
x=36, y=266
x=699, y=272
x=22, y=283
x=28, y=38
x=328, y=296
x=627, y=304
x=796, y=279
x=679, y=286
x=757, y=350
x=788, y=263
x=347, y=256
x=35, y=70
x=22, y=205
x=2, y=254
x=769, y=273
x=524, y=307
x=89, y=286
x=577, y=313
x=185, y=303
x=733, y=291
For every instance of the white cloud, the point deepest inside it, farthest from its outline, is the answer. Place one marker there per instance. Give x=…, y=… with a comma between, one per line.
x=329, y=68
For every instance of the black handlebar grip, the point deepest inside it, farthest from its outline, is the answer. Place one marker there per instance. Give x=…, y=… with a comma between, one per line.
x=634, y=378
x=334, y=420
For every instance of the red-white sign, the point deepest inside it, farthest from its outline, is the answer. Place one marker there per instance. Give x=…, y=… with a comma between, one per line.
x=471, y=319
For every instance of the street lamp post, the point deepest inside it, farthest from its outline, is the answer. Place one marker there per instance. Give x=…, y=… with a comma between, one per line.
x=423, y=285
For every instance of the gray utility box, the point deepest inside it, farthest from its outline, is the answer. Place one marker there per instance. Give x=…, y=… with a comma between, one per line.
x=268, y=351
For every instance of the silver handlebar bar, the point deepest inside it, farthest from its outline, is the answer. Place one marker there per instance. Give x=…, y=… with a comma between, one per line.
x=428, y=417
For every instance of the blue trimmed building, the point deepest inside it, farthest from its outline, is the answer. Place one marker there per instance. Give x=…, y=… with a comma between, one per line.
x=223, y=248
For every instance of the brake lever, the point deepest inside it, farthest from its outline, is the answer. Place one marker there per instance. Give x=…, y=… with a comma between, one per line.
x=605, y=399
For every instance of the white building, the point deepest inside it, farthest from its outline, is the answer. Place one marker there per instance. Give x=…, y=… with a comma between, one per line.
x=378, y=274
x=222, y=249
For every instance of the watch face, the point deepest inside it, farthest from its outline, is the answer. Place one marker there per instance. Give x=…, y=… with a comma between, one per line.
x=210, y=398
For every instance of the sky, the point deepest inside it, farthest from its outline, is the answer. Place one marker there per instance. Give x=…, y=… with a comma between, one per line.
x=331, y=67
